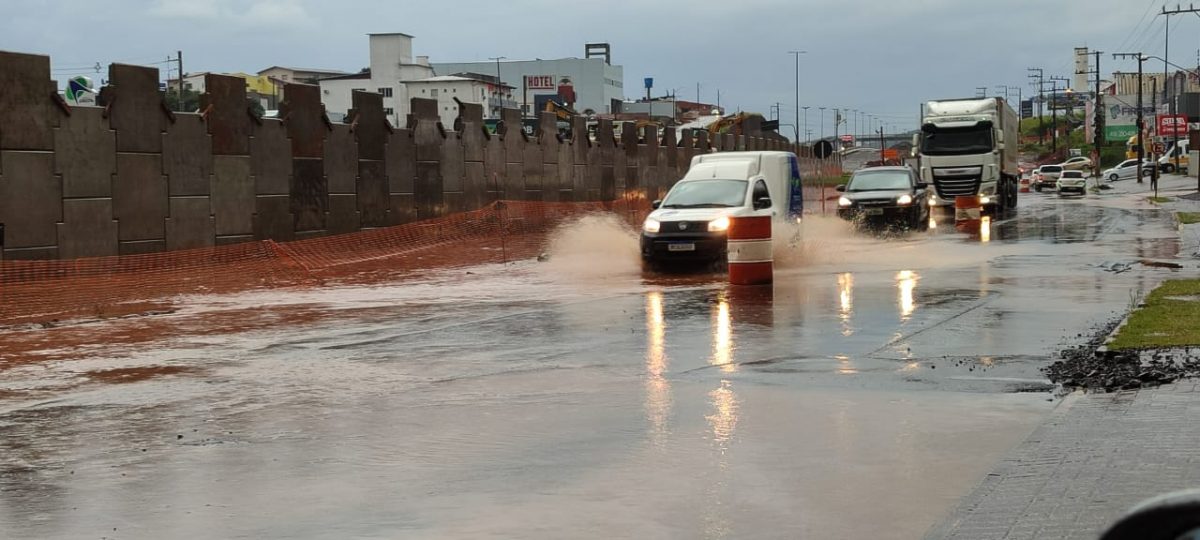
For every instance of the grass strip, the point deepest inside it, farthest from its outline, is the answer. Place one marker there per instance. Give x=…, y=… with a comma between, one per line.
x=1170, y=318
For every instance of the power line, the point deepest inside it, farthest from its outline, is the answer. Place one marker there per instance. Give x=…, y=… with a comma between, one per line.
x=1149, y=5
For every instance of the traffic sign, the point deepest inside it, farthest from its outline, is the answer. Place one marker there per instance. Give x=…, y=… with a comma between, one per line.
x=1158, y=148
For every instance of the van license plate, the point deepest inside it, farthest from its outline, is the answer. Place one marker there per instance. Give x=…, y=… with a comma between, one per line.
x=681, y=246
x=874, y=211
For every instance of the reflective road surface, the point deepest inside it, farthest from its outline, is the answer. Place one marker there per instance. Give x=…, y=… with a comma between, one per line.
x=859, y=397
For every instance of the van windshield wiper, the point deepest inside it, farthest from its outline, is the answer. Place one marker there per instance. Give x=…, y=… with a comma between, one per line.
x=699, y=205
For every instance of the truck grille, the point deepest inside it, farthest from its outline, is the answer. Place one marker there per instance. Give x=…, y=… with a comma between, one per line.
x=949, y=187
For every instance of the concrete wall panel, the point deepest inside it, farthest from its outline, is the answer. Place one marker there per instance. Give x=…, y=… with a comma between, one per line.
x=343, y=213
x=136, y=109
x=30, y=199
x=273, y=219
x=232, y=195
x=140, y=197
x=341, y=160
x=187, y=156
x=373, y=193
x=85, y=154
x=27, y=118
x=271, y=159
x=191, y=224
x=227, y=114
x=309, y=194
x=401, y=162
x=88, y=229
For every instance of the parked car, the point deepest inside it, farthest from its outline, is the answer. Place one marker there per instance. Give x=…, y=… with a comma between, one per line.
x=1126, y=170
x=887, y=196
x=1047, y=177
x=1072, y=182
x=1077, y=163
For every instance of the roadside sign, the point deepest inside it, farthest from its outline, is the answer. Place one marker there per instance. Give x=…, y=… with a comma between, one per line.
x=847, y=138
x=1158, y=148
x=1172, y=125
x=822, y=149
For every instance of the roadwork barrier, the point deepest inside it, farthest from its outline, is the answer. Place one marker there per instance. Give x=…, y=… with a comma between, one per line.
x=46, y=292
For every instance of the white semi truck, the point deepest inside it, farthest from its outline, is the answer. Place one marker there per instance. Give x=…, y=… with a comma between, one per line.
x=969, y=147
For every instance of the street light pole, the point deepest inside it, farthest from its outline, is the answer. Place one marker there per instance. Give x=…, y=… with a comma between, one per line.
x=822, y=122
x=806, y=134
x=797, y=55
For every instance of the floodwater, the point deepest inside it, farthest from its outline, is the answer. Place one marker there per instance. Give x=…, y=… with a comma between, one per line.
x=859, y=397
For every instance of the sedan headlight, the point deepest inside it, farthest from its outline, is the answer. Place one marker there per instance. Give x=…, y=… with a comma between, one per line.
x=720, y=224
x=904, y=200
x=844, y=202
x=651, y=225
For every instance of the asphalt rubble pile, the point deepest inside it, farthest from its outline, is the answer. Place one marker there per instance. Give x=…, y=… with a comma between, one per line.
x=1089, y=368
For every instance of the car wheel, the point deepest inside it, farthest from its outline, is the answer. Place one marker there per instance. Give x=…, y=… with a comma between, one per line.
x=1113, y=177
x=1037, y=188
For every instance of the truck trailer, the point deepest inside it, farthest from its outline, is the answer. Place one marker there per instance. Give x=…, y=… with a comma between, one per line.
x=969, y=147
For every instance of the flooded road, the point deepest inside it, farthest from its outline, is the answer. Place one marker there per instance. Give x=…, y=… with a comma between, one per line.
x=860, y=396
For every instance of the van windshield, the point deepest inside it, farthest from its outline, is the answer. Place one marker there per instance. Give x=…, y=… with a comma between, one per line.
x=706, y=194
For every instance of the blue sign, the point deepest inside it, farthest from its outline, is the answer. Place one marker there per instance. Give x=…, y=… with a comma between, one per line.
x=649, y=82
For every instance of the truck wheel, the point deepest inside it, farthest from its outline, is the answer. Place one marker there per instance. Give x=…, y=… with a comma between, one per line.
x=1168, y=168
x=1037, y=188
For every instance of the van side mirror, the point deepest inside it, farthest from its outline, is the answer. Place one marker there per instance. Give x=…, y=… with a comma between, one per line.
x=762, y=203
x=841, y=187
x=654, y=205
x=922, y=185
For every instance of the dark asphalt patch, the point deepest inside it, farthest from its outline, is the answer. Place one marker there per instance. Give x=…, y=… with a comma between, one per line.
x=1082, y=367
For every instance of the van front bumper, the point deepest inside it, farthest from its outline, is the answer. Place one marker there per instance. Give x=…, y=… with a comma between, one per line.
x=683, y=247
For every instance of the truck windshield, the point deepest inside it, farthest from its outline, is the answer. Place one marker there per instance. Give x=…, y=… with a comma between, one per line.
x=879, y=180
x=956, y=141
x=706, y=194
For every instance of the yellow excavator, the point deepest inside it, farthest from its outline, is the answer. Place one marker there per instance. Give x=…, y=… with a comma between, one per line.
x=562, y=112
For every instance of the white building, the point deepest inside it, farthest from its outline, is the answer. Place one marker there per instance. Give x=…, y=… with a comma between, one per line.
x=392, y=63
x=585, y=84
x=466, y=87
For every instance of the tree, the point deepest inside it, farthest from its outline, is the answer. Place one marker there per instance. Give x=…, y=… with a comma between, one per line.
x=191, y=100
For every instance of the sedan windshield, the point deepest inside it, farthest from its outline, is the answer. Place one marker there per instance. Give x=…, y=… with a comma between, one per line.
x=957, y=141
x=706, y=194
x=880, y=180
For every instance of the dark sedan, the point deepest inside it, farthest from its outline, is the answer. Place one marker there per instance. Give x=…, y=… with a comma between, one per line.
x=885, y=196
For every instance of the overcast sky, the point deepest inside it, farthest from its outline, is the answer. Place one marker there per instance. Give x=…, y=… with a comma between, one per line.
x=883, y=57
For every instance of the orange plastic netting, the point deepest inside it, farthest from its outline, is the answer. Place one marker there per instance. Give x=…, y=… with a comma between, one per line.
x=103, y=287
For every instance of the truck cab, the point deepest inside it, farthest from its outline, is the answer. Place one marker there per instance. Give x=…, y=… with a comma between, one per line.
x=969, y=147
x=689, y=225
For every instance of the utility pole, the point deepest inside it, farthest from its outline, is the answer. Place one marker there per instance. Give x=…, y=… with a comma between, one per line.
x=882, y=146
x=797, y=55
x=499, y=87
x=1174, y=91
x=822, y=122
x=1141, y=147
x=1040, y=82
x=1097, y=115
x=1053, y=116
x=179, y=61
x=1070, y=108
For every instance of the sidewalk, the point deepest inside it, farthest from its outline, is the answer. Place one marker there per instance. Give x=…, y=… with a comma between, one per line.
x=1096, y=457
x=1098, y=454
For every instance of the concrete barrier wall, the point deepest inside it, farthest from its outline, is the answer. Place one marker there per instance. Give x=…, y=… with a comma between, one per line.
x=133, y=177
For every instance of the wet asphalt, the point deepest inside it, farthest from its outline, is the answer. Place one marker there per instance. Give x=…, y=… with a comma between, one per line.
x=860, y=396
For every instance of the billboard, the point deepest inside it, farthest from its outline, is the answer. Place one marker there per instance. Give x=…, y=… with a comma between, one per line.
x=1027, y=108
x=1120, y=116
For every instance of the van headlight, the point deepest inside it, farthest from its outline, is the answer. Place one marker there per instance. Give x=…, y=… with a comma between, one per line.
x=720, y=224
x=651, y=225
x=904, y=200
x=844, y=202
x=985, y=200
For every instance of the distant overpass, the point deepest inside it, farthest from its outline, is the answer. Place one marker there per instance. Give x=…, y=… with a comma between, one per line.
x=873, y=141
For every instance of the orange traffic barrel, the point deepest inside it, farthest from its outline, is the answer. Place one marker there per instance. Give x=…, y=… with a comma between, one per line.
x=968, y=213
x=750, y=250
x=1025, y=185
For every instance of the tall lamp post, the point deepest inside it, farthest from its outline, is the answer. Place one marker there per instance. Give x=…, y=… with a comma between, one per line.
x=822, y=122
x=807, y=133
x=797, y=55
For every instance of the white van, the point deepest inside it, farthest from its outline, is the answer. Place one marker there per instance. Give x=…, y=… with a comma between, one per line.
x=690, y=223
x=1166, y=163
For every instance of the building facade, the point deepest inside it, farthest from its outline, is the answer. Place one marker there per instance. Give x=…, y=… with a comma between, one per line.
x=392, y=63
x=467, y=89
x=587, y=85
